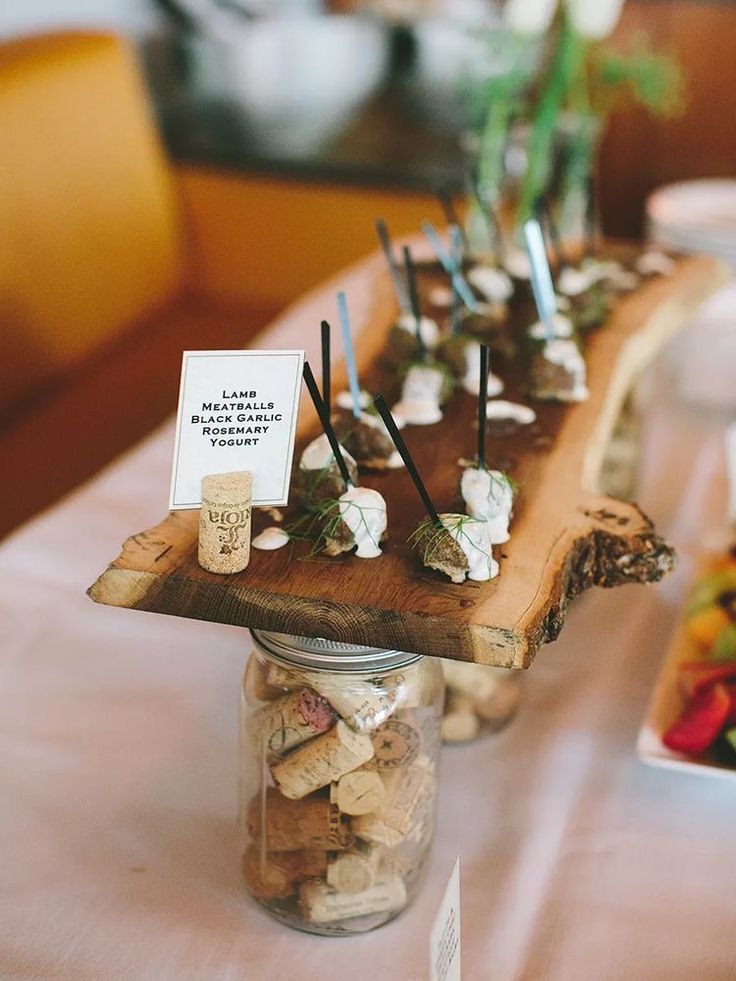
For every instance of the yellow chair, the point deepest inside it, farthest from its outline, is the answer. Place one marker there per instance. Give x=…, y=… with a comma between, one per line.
x=95, y=306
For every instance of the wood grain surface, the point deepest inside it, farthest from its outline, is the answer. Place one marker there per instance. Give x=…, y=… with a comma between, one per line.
x=565, y=535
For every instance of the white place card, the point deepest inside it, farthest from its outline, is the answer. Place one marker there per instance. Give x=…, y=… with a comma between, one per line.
x=237, y=411
x=444, y=937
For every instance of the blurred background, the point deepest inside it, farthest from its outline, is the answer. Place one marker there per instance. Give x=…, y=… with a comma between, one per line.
x=174, y=172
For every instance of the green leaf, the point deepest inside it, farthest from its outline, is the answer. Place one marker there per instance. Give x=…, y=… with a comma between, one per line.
x=709, y=588
x=724, y=648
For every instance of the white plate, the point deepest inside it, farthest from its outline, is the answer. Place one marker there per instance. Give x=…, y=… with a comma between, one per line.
x=665, y=706
x=700, y=215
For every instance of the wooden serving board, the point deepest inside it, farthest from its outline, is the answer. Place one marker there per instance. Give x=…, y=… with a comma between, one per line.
x=565, y=534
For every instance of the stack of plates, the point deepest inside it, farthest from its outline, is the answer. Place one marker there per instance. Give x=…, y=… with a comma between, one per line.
x=695, y=216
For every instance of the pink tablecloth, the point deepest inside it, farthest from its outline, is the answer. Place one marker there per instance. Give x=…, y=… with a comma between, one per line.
x=118, y=736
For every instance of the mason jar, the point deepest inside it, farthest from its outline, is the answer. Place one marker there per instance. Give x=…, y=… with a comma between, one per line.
x=339, y=753
x=478, y=700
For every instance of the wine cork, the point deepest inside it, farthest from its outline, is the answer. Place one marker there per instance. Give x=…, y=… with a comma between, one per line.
x=295, y=825
x=320, y=761
x=395, y=744
x=285, y=678
x=459, y=723
x=354, y=871
x=265, y=879
x=274, y=875
x=409, y=795
x=224, y=522
x=363, y=705
x=292, y=720
x=359, y=792
x=497, y=708
x=256, y=681
x=474, y=680
x=322, y=904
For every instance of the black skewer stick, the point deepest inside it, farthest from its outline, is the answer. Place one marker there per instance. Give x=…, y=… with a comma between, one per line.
x=548, y=223
x=590, y=217
x=324, y=418
x=388, y=419
x=444, y=196
x=483, y=406
x=394, y=268
x=411, y=280
x=326, y=377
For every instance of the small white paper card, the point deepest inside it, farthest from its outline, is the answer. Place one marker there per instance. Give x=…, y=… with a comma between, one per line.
x=444, y=938
x=237, y=411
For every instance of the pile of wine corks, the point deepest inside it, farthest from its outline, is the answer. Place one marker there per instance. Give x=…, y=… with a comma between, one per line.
x=339, y=784
x=478, y=700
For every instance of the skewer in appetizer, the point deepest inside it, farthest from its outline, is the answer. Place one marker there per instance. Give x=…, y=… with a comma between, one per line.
x=488, y=494
x=460, y=351
x=404, y=340
x=361, y=432
x=357, y=518
x=427, y=383
x=557, y=370
x=456, y=545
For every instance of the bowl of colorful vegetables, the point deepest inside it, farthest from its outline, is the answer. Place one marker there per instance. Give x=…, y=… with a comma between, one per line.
x=691, y=722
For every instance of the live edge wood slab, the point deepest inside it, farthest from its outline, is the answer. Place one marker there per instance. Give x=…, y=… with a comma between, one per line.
x=566, y=534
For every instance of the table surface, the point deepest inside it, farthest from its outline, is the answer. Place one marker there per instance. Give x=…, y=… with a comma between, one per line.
x=119, y=779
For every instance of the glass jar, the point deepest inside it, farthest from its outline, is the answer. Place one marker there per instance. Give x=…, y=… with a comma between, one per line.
x=339, y=752
x=478, y=700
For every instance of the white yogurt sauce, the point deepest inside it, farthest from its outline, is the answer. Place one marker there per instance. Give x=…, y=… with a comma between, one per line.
x=517, y=265
x=420, y=397
x=471, y=381
x=573, y=282
x=488, y=495
x=654, y=263
x=271, y=539
x=493, y=283
x=364, y=512
x=430, y=330
x=501, y=409
x=562, y=327
x=318, y=454
x=610, y=271
x=473, y=537
x=440, y=296
x=567, y=354
x=344, y=400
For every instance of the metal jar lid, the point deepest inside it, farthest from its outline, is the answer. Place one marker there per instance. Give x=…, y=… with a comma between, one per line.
x=319, y=654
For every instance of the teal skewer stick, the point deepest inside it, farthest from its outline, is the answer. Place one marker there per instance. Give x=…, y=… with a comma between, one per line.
x=458, y=247
x=456, y=277
x=544, y=291
x=347, y=342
